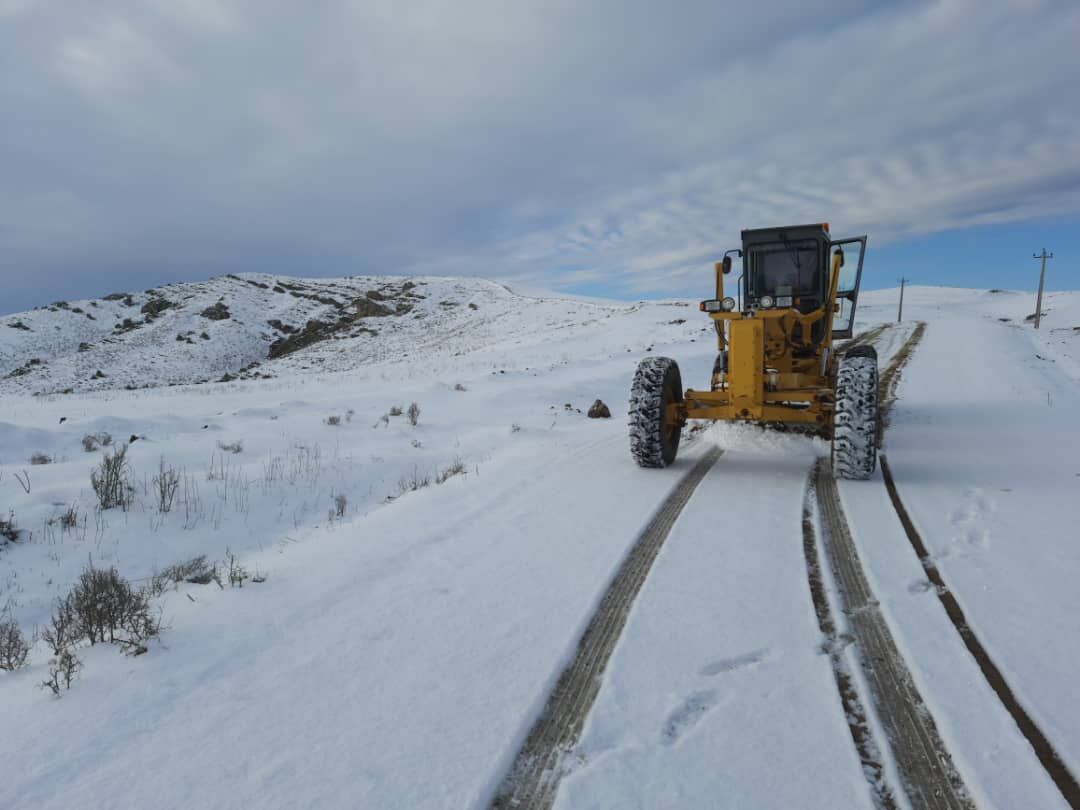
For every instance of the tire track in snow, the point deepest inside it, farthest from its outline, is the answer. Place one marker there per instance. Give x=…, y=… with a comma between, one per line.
x=861, y=733
x=929, y=777
x=534, y=776
x=890, y=379
x=1048, y=757
x=1044, y=750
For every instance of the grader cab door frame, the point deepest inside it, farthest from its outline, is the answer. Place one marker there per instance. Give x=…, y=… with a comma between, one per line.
x=847, y=295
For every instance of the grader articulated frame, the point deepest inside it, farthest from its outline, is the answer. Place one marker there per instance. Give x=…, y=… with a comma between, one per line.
x=776, y=363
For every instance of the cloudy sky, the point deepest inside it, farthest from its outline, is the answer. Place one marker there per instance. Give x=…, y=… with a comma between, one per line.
x=608, y=146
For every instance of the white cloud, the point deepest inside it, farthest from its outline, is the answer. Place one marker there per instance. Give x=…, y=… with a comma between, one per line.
x=609, y=143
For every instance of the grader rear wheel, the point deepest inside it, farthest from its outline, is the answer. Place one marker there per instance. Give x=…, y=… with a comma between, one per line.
x=657, y=384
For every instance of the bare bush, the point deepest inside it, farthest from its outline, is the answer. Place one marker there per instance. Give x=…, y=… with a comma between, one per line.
x=396, y=411
x=13, y=647
x=456, y=467
x=233, y=447
x=109, y=609
x=349, y=414
x=110, y=481
x=62, y=671
x=92, y=441
x=40, y=458
x=333, y=421
x=8, y=530
x=63, y=629
x=414, y=414
x=235, y=572
x=166, y=483
x=340, y=503
x=460, y=387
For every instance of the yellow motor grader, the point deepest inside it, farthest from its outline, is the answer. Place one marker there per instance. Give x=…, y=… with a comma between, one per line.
x=776, y=363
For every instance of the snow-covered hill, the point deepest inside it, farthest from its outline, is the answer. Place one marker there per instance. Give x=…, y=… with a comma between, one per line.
x=258, y=326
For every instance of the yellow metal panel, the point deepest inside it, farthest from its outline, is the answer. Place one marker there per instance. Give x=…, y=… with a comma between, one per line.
x=746, y=366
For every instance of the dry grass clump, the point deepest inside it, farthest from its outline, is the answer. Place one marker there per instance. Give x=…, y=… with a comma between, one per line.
x=92, y=441
x=456, y=467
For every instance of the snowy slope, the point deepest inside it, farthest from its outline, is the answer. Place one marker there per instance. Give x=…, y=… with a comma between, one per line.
x=262, y=326
x=396, y=657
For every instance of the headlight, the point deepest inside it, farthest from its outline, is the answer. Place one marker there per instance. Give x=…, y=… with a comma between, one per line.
x=766, y=302
x=728, y=304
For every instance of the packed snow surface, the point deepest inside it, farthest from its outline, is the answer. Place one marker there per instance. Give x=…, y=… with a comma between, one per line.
x=396, y=654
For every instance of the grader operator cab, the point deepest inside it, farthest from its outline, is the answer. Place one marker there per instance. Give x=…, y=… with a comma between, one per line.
x=776, y=364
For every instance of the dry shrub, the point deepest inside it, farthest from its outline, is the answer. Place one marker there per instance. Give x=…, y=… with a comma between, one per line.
x=166, y=483
x=40, y=458
x=13, y=647
x=396, y=411
x=414, y=414
x=103, y=607
x=333, y=421
x=235, y=571
x=110, y=481
x=234, y=447
x=62, y=671
x=109, y=609
x=8, y=530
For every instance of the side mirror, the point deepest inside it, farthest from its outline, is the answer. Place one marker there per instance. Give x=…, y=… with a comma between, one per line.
x=726, y=265
x=840, y=253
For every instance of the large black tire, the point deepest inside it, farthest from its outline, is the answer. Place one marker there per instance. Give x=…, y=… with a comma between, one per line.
x=855, y=420
x=657, y=384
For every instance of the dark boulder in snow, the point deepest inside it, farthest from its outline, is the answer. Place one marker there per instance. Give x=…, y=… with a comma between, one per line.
x=599, y=410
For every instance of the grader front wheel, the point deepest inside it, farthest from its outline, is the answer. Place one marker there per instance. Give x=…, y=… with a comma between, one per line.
x=855, y=420
x=657, y=384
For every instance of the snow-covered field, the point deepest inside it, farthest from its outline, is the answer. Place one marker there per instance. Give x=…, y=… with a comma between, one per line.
x=395, y=656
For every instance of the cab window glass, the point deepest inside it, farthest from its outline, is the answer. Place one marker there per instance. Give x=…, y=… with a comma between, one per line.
x=783, y=268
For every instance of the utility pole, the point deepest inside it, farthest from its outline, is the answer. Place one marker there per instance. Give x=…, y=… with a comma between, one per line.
x=900, y=312
x=1042, y=275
